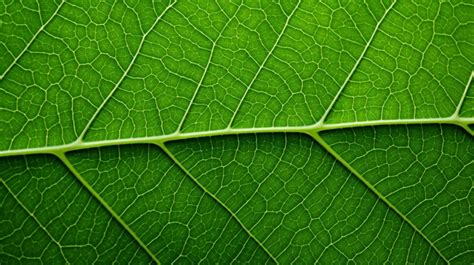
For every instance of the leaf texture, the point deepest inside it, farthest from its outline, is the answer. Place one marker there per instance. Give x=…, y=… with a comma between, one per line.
x=256, y=132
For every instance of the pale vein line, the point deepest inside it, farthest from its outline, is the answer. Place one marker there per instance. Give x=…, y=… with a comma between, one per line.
x=34, y=218
x=463, y=97
x=32, y=40
x=331, y=151
x=459, y=121
x=463, y=253
x=119, y=82
x=73, y=170
x=185, y=170
x=214, y=44
x=328, y=110
x=263, y=64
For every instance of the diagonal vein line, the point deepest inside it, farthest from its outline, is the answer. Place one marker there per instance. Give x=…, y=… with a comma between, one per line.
x=263, y=64
x=32, y=40
x=34, y=218
x=331, y=151
x=185, y=170
x=464, y=95
x=125, y=73
x=214, y=44
x=331, y=105
x=73, y=170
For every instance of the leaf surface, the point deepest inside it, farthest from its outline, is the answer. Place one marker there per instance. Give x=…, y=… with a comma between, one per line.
x=236, y=132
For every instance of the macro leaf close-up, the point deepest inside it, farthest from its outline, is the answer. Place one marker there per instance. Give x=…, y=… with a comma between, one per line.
x=230, y=132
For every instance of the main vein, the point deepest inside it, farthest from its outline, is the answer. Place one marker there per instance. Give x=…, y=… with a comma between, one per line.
x=312, y=130
x=81, y=145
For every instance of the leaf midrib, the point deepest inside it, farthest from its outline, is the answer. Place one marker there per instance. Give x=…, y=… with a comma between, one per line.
x=309, y=129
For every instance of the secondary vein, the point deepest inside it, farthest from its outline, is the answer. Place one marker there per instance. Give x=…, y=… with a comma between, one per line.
x=204, y=74
x=377, y=26
x=331, y=151
x=34, y=218
x=32, y=40
x=109, y=96
x=73, y=170
x=185, y=170
x=263, y=64
x=463, y=97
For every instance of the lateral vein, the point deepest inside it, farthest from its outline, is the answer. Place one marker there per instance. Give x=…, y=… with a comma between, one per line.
x=125, y=73
x=185, y=170
x=73, y=170
x=263, y=64
x=204, y=74
x=359, y=176
x=32, y=40
x=34, y=218
x=464, y=95
x=339, y=92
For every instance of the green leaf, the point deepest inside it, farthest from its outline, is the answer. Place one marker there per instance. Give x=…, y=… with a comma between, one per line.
x=254, y=132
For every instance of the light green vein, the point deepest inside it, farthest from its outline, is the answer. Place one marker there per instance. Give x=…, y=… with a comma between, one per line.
x=185, y=170
x=287, y=22
x=34, y=218
x=464, y=95
x=32, y=40
x=132, y=62
x=457, y=121
x=204, y=74
x=377, y=26
x=73, y=170
x=331, y=151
